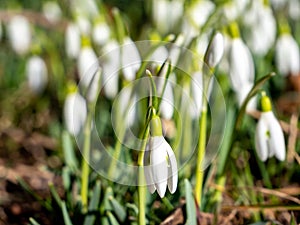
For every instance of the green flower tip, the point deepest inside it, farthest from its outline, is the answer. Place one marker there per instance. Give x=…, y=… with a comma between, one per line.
x=85, y=41
x=155, y=126
x=234, y=30
x=265, y=103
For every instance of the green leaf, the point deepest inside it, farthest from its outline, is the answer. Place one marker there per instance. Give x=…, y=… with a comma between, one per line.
x=65, y=213
x=55, y=195
x=118, y=209
x=33, y=221
x=112, y=219
x=93, y=206
x=190, y=204
x=106, y=203
x=68, y=150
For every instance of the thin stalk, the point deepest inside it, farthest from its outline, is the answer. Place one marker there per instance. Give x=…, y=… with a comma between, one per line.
x=85, y=160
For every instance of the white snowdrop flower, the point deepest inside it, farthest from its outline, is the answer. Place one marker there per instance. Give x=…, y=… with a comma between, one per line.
x=84, y=25
x=52, y=11
x=166, y=14
x=241, y=69
x=131, y=60
x=294, y=9
x=242, y=94
x=101, y=33
x=214, y=51
x=199, y=12
x=201, y=44
x=167, y=101
x=235, y=8
x=269, y=138
x=160, y=166
x=287, y=55
x=127, y=106
x=72, y=40
x=196, y=95
x=262, y=28
x=75, y=112
x=175, y=50
x=110, y=62
x=36, y=72
x=94, y=86
x=160, y=55
x=19, y=34
x=87, y=65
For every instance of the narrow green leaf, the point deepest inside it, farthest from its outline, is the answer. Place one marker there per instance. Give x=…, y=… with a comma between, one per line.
x=68, y=150
x=112, y=219
x=33, y=221
x=118, y=209
x=133, y=208
x=106, y=204
x=190, y=204
x=93, y=206
x=55, y=195
x=66, y=177
x=293, y=219
x=65, y=213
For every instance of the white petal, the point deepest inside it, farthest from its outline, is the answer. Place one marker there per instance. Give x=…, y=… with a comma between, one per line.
x=159, y=166
x=172, y=170
x=131, y=60
x=215, y=50
x=147, y=171
x=277, y=143
x=167, y=103
x=72, y=40
x=261, y=139
x=101, y=33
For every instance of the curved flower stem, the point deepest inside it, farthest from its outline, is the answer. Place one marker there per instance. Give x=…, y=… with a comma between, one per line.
x=86, y=158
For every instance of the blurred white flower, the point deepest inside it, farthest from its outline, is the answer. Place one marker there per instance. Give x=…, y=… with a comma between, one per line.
x=160, y=166
x=287, y=55
x=110, y=62
x=199, y=12
x=294, y=9
x=19, y=34
x=269, y=139
x=233, y=9
x=215, y=50
x=84, y=25
x=262, y=28
x=75, y=112
x=72, y=40
x=241, y=68
x=196, y=94
x=131, y=60
x=101, y=33
x=94, y=86
x=52, y=11
x=127, y=106
x=278, y=3
x=167, y=101
x=36, y=72
x=87, y=64
x=166, y=14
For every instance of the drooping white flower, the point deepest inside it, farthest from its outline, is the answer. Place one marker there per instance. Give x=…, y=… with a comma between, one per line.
x=233, y=9
x=75, y=112
x=52, y=11
x=87, y=64
x=196, y=94
x=111, y=62
x=269, y=138
x=160, y=166
x=214, y=51
x=127, y=106
x=262, y=28
x=294, y=9
x=36, y=72
x=131, y=60
x=72, y=40
x=84, y=25
x=101, y=33
x=166, y=14
x=287, y=55
x=199, y=12
x=241, y=68
x=19, y=34
x=94, y=86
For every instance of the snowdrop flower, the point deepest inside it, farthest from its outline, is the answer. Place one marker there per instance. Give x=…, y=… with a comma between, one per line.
x=262, y=28
x=84, y=25
x=19, y=34
x=75, y=112
x=72, y=40
x=196, y=94
x=127, y=106
x=36, y=72
x=101, y=33
x=199, y=12
x=233, y=9
x=160, y=166
x=214, y=51
x=287, y=55
x=269, y=138
x=94, y=86
x=110, y=62
x=241, y=69
x=131, y=60
x=166, y=14
x=52, y=11
x=87, y=63
x=294, y=9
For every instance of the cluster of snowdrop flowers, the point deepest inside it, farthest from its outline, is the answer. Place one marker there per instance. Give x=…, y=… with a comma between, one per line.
x=160, y=166
x=269, y=138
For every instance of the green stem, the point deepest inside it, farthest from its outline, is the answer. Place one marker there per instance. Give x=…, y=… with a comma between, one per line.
x=201, y=153
x=85, y=160
x=141, y=179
